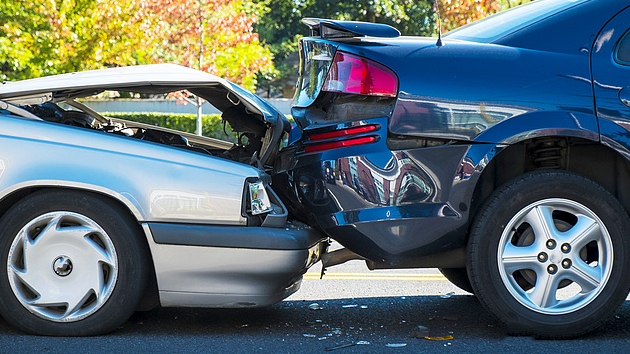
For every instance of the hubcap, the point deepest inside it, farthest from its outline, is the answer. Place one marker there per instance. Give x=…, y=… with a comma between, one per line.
x=83, y=272
x=62, y=266
x=555, y=256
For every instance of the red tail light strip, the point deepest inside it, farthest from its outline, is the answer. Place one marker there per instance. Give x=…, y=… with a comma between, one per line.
x=343, y=132
x=353, y=74
x=340, y=144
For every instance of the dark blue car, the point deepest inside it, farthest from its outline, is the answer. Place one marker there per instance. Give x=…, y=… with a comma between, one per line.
x=499, y=154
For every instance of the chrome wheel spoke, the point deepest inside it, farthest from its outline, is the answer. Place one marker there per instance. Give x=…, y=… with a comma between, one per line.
x=519, y=258
x=544, y=293
x=587, y=277
x=583, y=232
x=541, y=221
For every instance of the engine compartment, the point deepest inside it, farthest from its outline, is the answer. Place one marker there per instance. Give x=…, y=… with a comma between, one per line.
x=250, y=132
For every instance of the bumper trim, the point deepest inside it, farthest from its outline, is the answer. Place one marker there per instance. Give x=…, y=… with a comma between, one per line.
x=289, y=238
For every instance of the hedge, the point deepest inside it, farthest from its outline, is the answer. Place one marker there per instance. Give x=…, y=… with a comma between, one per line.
x=212, y=123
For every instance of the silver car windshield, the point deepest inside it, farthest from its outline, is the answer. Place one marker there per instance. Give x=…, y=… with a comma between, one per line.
x=497, y=26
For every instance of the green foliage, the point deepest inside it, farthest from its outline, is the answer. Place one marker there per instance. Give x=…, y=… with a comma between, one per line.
x=212, y=123
x=214, y=36
x=44, y=37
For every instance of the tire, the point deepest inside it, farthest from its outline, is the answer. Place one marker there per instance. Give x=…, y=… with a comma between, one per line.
x=71, y=264
x=547, y=254
x=458, y=277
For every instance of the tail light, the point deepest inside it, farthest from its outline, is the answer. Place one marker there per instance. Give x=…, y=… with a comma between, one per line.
x=321, y=141
x=259, y=201
x=360, y=76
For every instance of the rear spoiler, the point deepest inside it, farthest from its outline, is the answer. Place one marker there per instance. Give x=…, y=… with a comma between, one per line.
x=343, y=29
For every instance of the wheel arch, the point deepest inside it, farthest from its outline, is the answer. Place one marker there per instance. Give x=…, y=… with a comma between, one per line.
x=150, y=299
x=591, y=159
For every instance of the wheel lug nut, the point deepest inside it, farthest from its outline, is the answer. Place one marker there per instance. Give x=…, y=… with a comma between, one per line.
x=542, y=257
x=566, y=263
x=566, y=248
x=551, y=244
x=552, y=269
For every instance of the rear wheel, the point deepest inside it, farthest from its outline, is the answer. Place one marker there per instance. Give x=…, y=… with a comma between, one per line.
x=547, y=254
x=71, y=264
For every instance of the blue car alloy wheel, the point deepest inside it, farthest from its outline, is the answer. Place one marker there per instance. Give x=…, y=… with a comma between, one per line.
x=548, y=254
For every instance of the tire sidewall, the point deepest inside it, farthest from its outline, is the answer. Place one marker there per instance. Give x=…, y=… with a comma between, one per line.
x=503, y=206
x=130, y=280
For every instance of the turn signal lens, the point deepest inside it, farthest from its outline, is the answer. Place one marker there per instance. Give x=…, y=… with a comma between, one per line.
x=357, y=75
x=258, y=198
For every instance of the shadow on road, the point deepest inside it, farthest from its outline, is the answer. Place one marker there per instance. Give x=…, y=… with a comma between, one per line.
x=377, y=324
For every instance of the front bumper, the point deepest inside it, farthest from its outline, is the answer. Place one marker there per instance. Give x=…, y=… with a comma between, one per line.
x=219, y=266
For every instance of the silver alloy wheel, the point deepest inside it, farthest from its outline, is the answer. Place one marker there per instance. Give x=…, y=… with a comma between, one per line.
x=62, y=266
x=555, y=256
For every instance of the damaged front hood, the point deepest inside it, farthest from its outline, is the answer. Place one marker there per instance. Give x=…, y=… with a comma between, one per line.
x=241, y=108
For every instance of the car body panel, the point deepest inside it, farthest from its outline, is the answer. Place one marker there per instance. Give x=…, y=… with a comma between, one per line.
x=375, y=201
x=612, y=80
x=428, y=109
x=458, y=107
x=85, y=83
x=258, y=268
x=190, y=198
x=139, y=174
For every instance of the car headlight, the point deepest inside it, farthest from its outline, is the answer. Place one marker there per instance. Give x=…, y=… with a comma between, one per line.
x=259, y=200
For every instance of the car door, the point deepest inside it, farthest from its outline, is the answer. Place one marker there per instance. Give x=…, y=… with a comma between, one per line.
x=610, y=60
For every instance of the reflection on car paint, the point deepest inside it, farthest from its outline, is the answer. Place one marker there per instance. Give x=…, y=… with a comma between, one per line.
x=400, y=182
x=455, y=119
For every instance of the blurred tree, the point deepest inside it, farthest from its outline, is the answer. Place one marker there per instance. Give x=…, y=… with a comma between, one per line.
x=456, y=13
x=43, y=37
x=215, y=36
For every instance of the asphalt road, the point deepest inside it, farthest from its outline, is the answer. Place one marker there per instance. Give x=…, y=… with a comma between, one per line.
x=359, y=312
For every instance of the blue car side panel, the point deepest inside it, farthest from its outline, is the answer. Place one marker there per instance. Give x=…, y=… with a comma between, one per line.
x=429, y=105
x=611, y=77
x=391, y=205
x=542, y=123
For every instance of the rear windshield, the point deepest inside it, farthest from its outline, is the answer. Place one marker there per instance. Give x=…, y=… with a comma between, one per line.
x=497, y=26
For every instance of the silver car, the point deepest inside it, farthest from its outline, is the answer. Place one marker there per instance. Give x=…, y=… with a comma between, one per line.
x=100, y=217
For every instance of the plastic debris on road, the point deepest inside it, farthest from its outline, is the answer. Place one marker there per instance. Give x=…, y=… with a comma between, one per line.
x=346, y=345
x=449, y=337
x=340, y=346
x=446, y=296
x=395, y=345
x=420, y=332
x=315, y=306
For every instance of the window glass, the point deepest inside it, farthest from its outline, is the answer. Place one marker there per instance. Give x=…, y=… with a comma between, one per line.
x=509, y=21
